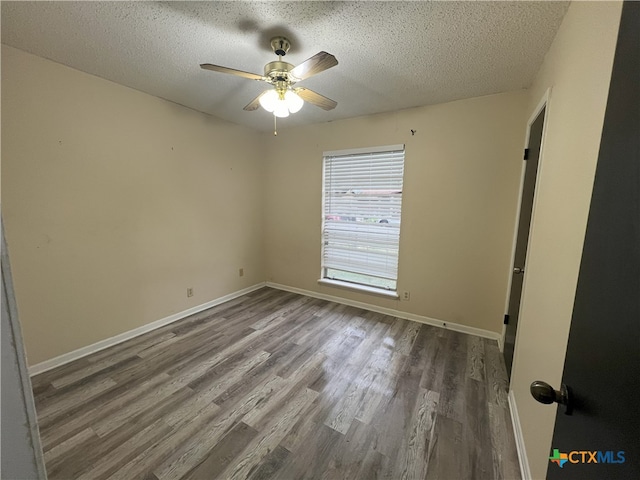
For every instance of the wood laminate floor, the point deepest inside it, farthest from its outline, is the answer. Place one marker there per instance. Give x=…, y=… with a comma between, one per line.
x=278, y=385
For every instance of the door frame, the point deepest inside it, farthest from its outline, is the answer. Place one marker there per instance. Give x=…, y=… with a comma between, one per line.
x=542, y=104
x=27, y=448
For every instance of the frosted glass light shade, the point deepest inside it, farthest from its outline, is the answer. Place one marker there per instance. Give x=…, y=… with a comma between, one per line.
x=269, y=100
x=281, y=105
x=293, y=100
x=281, y=109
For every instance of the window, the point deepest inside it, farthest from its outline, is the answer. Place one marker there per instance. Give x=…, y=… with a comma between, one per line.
x=361, y=217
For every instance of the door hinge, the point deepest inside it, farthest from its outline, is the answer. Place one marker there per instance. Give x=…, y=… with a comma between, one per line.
x=506, y=319
x=526, y=154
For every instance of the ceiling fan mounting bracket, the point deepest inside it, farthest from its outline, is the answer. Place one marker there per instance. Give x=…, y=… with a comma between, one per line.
x=280, y=46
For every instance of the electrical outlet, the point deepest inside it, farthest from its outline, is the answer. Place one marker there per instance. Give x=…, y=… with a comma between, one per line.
x=190, y=292
x=241, y=272
x=406, y=295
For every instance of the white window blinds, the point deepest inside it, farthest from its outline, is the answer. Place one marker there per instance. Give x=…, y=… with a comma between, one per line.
x=362, y=212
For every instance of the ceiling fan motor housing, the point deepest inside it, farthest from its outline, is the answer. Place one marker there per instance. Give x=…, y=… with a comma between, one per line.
x=280, y=46
x=278, y=71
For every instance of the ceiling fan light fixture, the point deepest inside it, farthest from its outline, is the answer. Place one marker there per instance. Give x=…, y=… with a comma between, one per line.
x=293, y=101
x=269, y=100
x=281, y=110
x=280, y=103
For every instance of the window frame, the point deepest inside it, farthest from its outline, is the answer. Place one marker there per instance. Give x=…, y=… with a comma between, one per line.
x=353, y=285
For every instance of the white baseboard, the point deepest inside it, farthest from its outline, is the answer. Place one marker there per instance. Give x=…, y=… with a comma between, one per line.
x=109, y=342
x=389, y=311
x=517, y=432
x=501, y=339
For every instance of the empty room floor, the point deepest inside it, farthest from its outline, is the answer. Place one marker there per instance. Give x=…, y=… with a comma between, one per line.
x=278, y=385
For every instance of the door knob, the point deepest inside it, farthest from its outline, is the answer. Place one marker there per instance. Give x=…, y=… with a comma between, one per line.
x=545, y=393
x=518, y=270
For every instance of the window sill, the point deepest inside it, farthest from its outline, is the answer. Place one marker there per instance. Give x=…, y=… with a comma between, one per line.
x=359, y=288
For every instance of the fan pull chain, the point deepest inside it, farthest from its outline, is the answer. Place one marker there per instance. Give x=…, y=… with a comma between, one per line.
x=275, y=126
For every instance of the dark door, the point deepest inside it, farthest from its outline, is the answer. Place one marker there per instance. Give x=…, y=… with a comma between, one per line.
x=532, y=156
x=602, y=366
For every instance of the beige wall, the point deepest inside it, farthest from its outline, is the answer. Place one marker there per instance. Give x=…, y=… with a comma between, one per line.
x=462, y=174
x=578, y=69
x=115, y=202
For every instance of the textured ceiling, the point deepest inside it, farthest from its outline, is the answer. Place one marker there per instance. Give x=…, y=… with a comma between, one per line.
x=392, y=55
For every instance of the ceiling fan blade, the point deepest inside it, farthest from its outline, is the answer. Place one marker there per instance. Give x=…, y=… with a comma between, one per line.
x=320, y=62
x=316, y=99
x=232, y=71
x=254, y=104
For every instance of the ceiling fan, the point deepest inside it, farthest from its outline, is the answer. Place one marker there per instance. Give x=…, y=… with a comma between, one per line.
x=284, y=98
